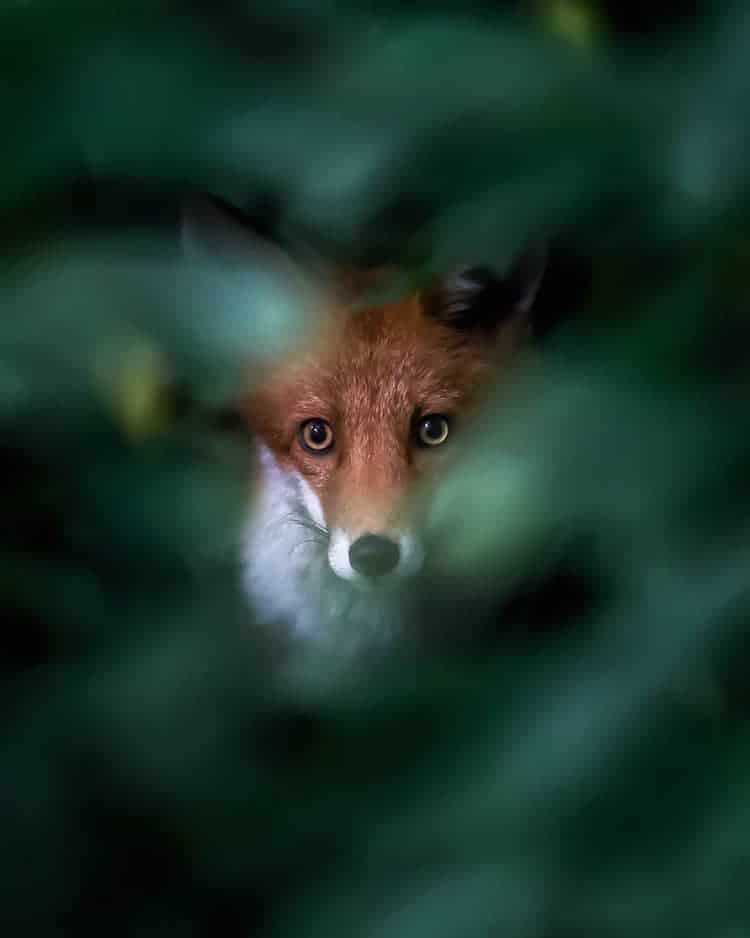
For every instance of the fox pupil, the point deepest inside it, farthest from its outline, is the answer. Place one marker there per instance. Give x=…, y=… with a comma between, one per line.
x=432, y=430
x=318, y=432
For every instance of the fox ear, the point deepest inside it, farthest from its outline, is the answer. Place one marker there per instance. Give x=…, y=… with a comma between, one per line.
x=211, y=231
x=478, y=299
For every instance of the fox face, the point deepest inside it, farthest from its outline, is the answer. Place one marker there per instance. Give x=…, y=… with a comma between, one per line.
x=349, y=428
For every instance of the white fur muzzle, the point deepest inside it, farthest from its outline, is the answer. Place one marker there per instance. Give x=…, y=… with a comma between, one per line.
x=297, y=573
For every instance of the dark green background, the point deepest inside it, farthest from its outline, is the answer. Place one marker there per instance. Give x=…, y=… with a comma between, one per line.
x=559, y=746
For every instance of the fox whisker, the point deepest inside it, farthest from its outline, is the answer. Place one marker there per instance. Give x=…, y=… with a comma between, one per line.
x=307, y=523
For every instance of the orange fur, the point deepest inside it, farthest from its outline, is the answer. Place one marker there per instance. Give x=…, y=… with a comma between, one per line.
x=331, y=541
x=368, y=375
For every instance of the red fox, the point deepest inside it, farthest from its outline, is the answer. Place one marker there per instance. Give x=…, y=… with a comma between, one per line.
x=348, y=427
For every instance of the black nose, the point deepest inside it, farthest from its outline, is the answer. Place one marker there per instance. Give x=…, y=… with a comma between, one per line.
x=372, y=555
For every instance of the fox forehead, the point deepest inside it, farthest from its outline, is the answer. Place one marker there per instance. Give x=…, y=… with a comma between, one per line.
x=369, y=368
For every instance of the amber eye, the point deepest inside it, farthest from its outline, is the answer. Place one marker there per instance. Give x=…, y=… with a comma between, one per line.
x=433, y=430
x=316, y=435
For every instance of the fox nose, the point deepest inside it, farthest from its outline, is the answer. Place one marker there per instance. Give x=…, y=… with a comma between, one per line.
x=373, y=555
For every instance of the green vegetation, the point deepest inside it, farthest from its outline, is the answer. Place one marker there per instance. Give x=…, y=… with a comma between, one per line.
x=560, y=747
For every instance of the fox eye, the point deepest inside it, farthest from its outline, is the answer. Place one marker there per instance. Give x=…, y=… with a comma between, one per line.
x=316, y=435
x=433, y=430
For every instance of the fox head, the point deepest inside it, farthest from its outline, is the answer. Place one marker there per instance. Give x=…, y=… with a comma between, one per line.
x=375, y=402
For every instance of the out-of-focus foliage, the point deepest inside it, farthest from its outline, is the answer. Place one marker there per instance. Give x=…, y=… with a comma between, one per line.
x=560, y=748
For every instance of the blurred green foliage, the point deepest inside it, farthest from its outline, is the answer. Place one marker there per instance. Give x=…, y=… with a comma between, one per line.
x=560, y=748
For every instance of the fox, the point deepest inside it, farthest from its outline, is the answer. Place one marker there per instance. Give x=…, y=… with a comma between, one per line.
x=348, y=428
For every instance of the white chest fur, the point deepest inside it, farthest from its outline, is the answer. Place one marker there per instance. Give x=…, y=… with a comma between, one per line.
x=286, y=572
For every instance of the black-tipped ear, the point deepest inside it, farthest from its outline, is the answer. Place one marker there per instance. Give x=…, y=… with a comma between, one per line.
x=212, y=231
x=218, y=238
x=478, y=298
